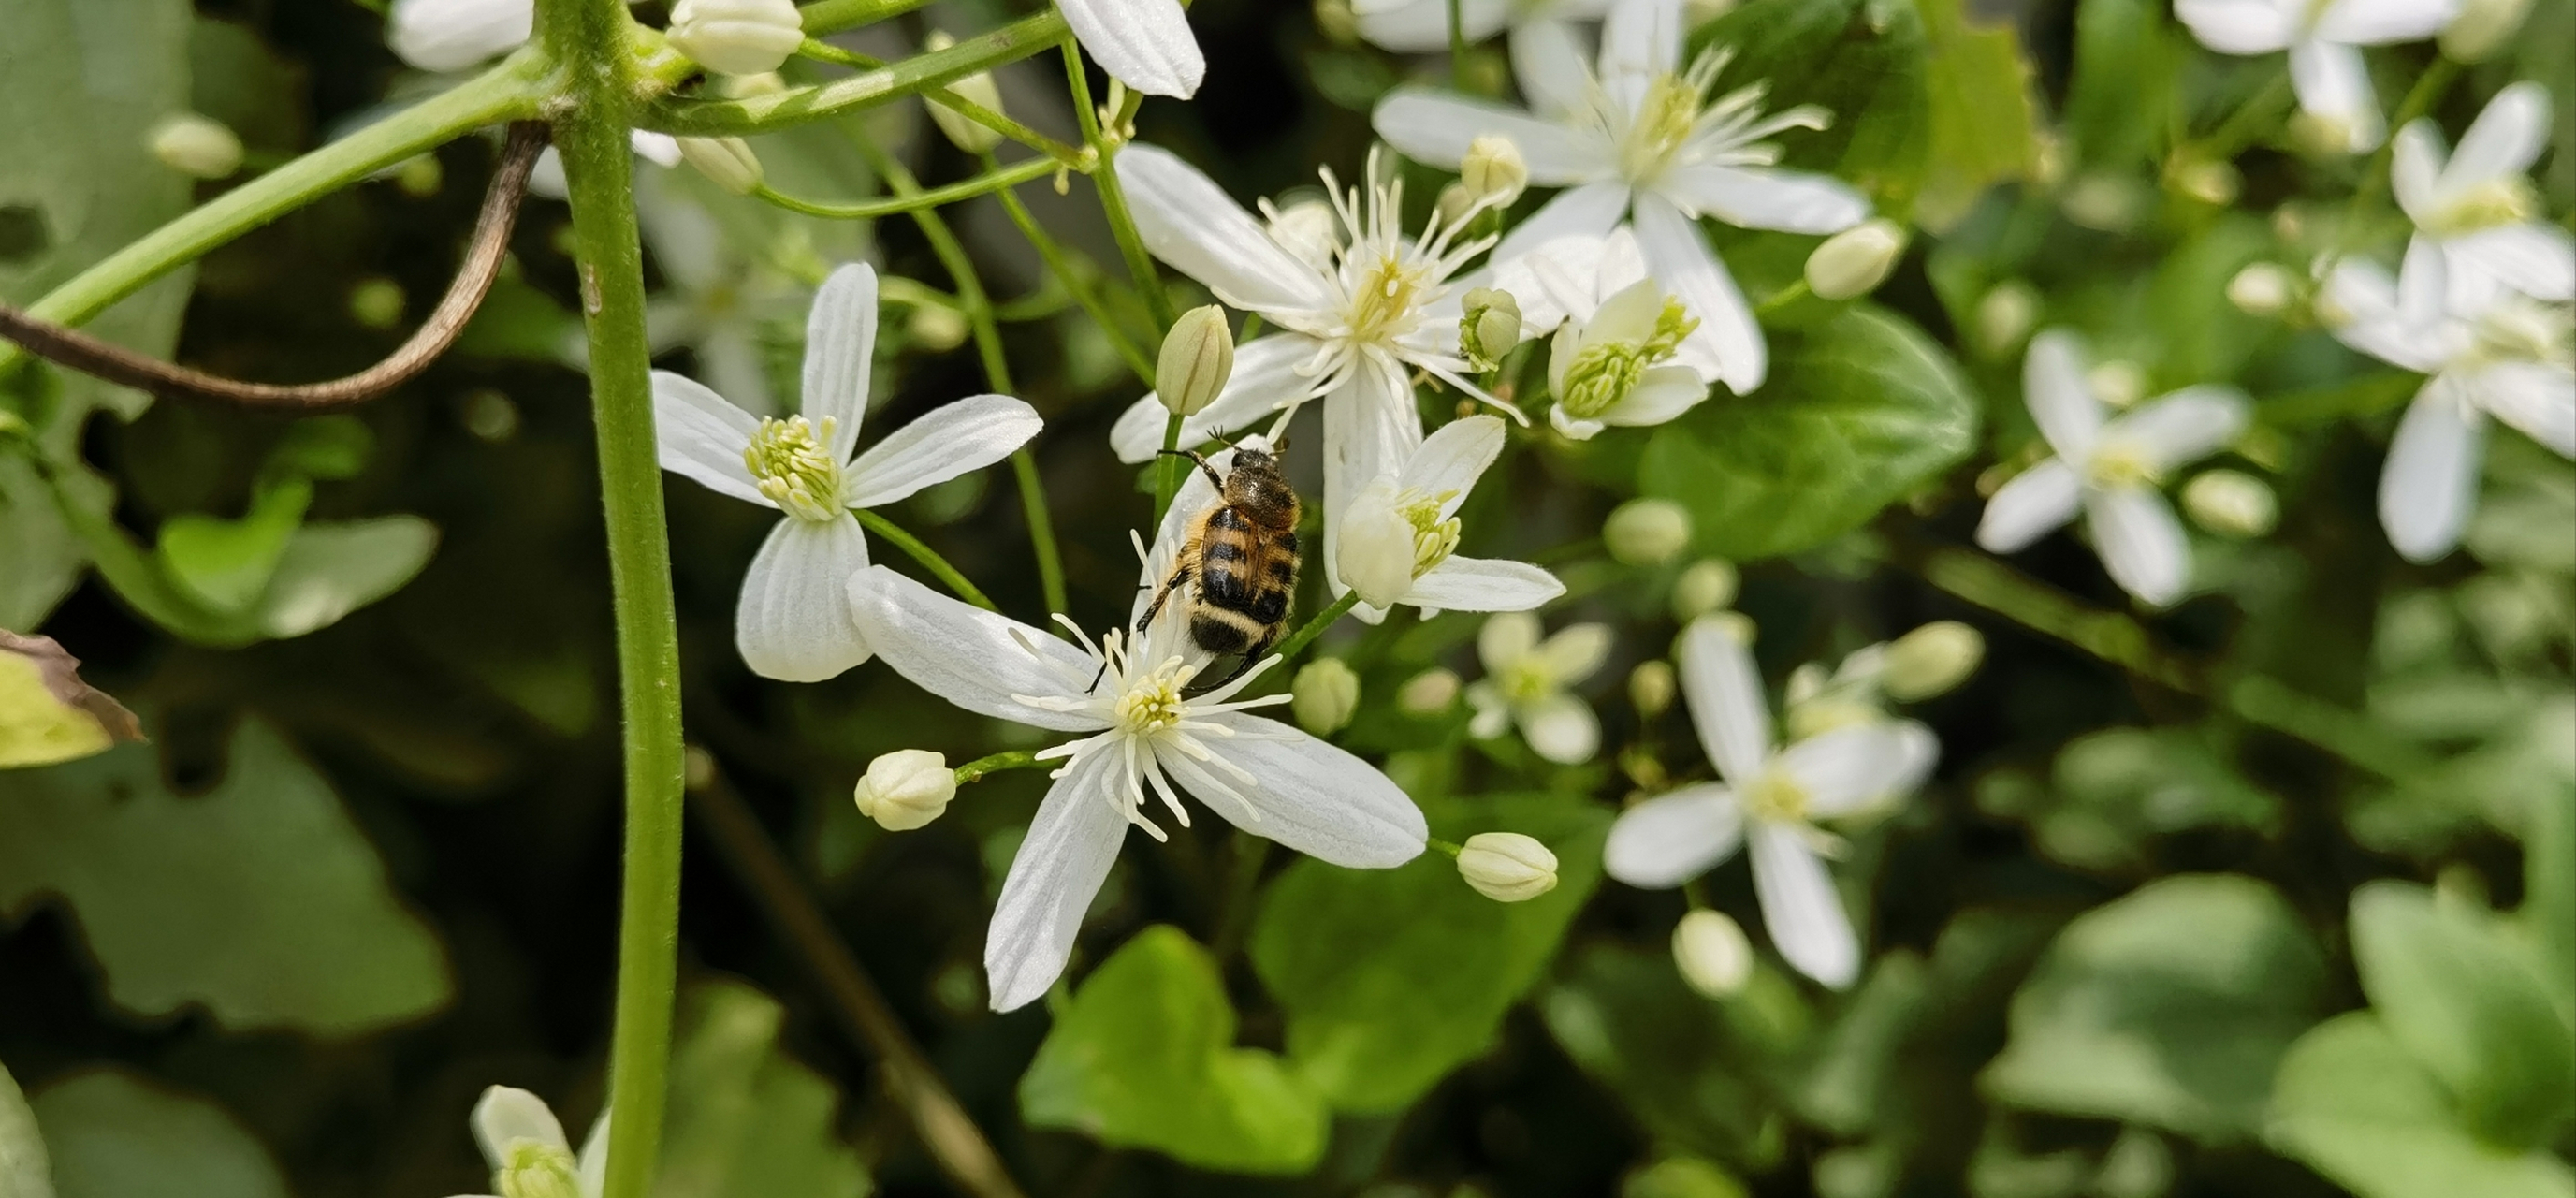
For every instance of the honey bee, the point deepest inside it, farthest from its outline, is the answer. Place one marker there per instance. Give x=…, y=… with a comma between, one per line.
x=1242, y=556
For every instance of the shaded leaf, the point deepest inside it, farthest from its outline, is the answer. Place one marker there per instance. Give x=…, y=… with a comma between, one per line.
x=2355, y=1106
x=1983, y=130
x=115, y=1135
x=746, y=1118
x=2468, y=1003
x=1698, y=1074
x=47, y=714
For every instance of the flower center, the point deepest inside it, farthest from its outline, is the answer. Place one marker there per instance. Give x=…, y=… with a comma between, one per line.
x=1434, y=539
x=1776, y=798
x=2513, y=330
x=788, y=460
x=1666, y=117
x=1527, y=680
x=2506, y=200
x=1384, y=300
x=2116, y=465
x=1153, y=702
x=1604, y=372
x=532, y=1169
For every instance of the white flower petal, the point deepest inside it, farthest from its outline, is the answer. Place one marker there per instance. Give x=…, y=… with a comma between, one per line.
x=1054, y=876
x=2535, y=259
x=1265, y=375
x=2332, y=81
x=1683, y=261
x=1663, y=394
x=1917, y=750
x=1454, y=457
x=1591, y=210
x=1549, y=62
x=2425, y=288
x=1188, y=221
x=506, y=1115
x=2036, y=502
x=2429, y=486
x=947, y=441
x=2184, y=426
x=2505, y=139
x=1422, y=26
x=794, y=622
x=1641, y=38
x=1493, y=714
x=2415, y=168
x=1755, y=197
x=973, y=658
x=1315, y=798
x=1371, y=426
x=2060, y=401
x=660, y=149
x=590, y=1168
x=1374, y=551
x=1435, y=128
x=840, y=349
x=1724, y=694
x=2367, y=296
x=1671, y=838
x=2140, y=542
x=1800, y=908
x=1482, y=585
x=1844, y=769
x=1560, y=728
x=701, y=437
x=2538, y=399
x=1504, y=640
x=1145, y=44
x=2239, y=26
x=1575, y=653
x=2378, y=22
x=451, y=35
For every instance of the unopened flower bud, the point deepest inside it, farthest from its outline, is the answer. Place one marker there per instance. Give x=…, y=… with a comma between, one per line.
x=2118, y=383
x=2110, y=203
x=727, y=161
x=532, y=1169
x=1324, y=696
x=1489, y=326
x=47, y=714
x=1931, y=660
x=2318, y=135
x=1197, y=359
x=1507, y=867
x=2482, y=28
x=744, y=87
x=1339, y=24
x=905, y=789
x=376, y=303
x=1855, y=261
x=937, y=327
x=2231, y=503
x=2207, y=180
x=2005, y=316
x=978, y=88
x=1709, y=584
x=1493, y=171
x=2263, y=289
x=419, y=176
x=1429, y=692
x=1455, y=203
x=1712, y=953
x=1647, y=532
x=1650, y=687
x=737, y=37
x=197, y=146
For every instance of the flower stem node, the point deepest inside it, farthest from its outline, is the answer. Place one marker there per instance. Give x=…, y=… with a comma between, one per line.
x=737, y=37
x=726, y=161
x=197, y=146
x=2231, y=503
x=1197, y=359
x=1494, y=172
x=1507, y=867
x=1324, y=696
x=1931, y=660
x=1855, y=261
x=1650, y=688
x=1428, y=693
x=1647, y=532
x=2482, y=28
x=1489, y=326
x=1712, y=952
x=1708, y=585
x=906, y=789
x=977, y=88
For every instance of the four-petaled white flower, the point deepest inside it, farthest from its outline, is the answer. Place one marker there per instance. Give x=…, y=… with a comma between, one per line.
x=1356, y=317
x=1643, y=139
x=2324, y=38
x=524, y=1143
x=1422, y=26
x=1400, y=533
x=1771, y=797
x=2490, y=352
x=1526, y=683
x=2110, y=471
x=1624, y=353
x=1140, y=729
x=794, y=621
x=2476, y=210
x=1145, y=44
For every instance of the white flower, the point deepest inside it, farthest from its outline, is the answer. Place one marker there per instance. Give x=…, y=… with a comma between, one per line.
x=2110, y=471
x=1770, y=797
x=1141, y=729
x=1646, y=363
x=1642, y=138
x=1422, y=26
x=524, y=1143
x=2489, y=352
x=1145, y=44
x=1525, y=683
x=737, y=37
x=2324, y=38
x=716, y=301
x=1354, y=323
x=794, y=622
x=2476, y=207
x=451, y=35
x=1399, y=533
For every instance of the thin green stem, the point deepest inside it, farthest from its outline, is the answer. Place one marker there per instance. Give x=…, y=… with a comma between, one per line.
x=1167, y=469
x=1313, y=628
x=2259, y=112
x=594, y=39
x=824, y=17
x=1000, y=180
x=1033, y=507
x=1457, y=47
x=1018, y=759
x=1060, y=263
x=1113, y=196
x=779, y=110
x=927, y=556
x=999, y=122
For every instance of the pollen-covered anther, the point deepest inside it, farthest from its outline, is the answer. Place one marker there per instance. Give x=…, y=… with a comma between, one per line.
x=788, y=460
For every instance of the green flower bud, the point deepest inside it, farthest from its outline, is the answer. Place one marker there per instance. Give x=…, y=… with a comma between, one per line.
x=2117, y=383
x=1931, y=660
x=1324, y=696
x=1197, y=359
x=727, y=161
x=905, y=789
x=1494, y=172
x=1489, y=326
x=2005, y=316
x=2231, y=503
x=937, y=327
x=197, y=146
x=1855, y=261
x=1647, y=532
x=1712, y=952
x=737, y=37
x=1709, y=584
x=2262, y=289
x=1650, y=688
x=978, y=88
x=1507, y=867
x=1455, y=204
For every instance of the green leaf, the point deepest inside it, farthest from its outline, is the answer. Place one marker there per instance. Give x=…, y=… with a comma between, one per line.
x=1983, y=129
x=226, y=564
x=259, y=900
x=2118, y=789
x=1144, y=1057
x=2355, y=1106
x=2549, y=897
x=2169, y=1007
x=2123, y=93
x=1858, y=412
x=745, y=1118
x=1698, y=1074
x=115, y=1135
x=1380, y=1010
x=330, y=570
x=236, y=78
x=44, y=556
x=2469, y=1004
x=24, y=1171
x=1862, y=60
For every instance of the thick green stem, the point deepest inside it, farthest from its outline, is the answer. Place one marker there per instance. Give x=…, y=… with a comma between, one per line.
x=1313, y=628
x=795, y=106
x=929, y=558
x=999, y=179
x=1113, y=196
x=592, y=38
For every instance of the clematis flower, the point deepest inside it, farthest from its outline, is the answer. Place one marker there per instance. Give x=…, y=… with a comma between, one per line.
x=2489, y=352
x=1770, y=797
x=794, y=622
x=2324, y=40
x=1145, y=44
x=1356, y=317
x=1138, y=728
x=1642, y=139
x=1624, y=354
x=1526, y=683
x=2476, y=210
x=451, y=35
x=1400, y=532
x=2109, y=471
x=1422, y=26
x=524, y=1143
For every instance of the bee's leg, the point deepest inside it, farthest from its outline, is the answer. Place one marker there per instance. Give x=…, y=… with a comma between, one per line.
x=1251, y=657
x=1179, y=576
x=1204, y=467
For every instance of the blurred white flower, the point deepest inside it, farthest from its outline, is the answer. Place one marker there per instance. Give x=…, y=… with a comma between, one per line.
x=2324, y=39
x=737, y=37
x=1140, y=729
x=1712, y=953
x=1422, y=26
x=2489, y=351
x=1526, y=683
x=794, y=620
x=451, y=35
x=2112, y=472
x=715, y=301
x=524, y=1143
x=1400, y=533
x=1640, y=137
x=1770, y=797
x=2476, y=210
x=1145, y=44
